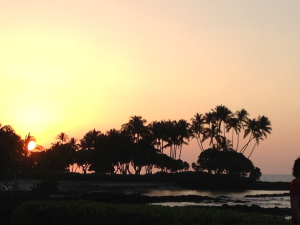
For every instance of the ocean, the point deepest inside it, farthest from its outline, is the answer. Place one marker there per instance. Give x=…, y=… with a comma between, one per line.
x=277, y=177
x=234, y=196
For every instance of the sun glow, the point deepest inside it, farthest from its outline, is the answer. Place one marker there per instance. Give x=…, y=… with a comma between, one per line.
x=31, y=145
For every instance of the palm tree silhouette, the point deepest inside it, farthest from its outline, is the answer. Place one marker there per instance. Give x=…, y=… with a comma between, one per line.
x=209, y=119
x=222, y=114
x=136, y=127
x=257, y=137
x=184, y=134
x=90, y=139
x=234, y=124
x=197, y=129
x=252, y=128
x=158, y=132
x=264, y=125
x=211, y=134
x=264, y=128
x=62, y=137
x=242, y=116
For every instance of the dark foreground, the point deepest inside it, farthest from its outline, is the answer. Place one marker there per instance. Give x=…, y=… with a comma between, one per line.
x=9, y=200
x=82, y=186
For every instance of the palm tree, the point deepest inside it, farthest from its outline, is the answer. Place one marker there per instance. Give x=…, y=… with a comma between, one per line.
x=222, y=114
x=197, y=128
x=136, y=127
x=242, y=117
x=264, y=125
x=234, y=124
x=62, y=137
x=209, y=119
x=264, y=128
x=257, y=136
x=224, y=144
x=90, y=139
x=252, y=127
x=158, y=132
x=211, y=133
x=184, y=133
x=73, y=143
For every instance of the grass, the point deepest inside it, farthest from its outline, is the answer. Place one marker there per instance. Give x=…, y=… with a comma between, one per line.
x=87, y=212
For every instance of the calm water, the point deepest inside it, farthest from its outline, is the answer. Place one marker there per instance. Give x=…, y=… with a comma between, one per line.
x=276, y=177
x=266, y=202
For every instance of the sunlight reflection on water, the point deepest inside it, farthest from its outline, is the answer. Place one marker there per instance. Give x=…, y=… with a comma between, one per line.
x=265, y=202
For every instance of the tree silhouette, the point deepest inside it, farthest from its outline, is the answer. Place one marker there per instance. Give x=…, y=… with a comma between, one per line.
x=197, y=129
x=141, y=145
x=62, y=137
x=221, y=114
x=11, y=151
x=234, y=125
x=137, y=129
x=184, y=134
x=211, y=134
x=242, y=117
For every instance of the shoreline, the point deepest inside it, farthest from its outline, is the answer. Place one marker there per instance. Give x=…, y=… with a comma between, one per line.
x=153, y=185
x=114, y=192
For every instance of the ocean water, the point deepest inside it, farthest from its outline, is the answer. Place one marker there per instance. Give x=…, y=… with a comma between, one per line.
x=277, y=177
x=265, y=202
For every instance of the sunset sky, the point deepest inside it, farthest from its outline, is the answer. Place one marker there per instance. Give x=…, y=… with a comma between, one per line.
x=72, y=66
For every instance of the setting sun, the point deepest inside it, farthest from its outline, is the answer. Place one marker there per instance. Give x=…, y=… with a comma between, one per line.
x=31, y=145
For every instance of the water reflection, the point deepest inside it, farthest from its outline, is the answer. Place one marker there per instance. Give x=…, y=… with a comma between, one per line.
x=227, y=197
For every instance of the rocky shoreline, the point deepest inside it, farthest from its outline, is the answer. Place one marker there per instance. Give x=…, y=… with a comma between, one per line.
x=110, y=192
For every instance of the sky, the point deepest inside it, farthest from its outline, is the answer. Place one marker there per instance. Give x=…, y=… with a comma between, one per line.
x=72, y=66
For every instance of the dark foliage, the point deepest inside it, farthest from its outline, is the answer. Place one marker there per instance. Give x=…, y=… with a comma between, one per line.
x=84, y=212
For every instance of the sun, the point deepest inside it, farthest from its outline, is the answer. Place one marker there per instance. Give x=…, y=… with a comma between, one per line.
x=31, y=145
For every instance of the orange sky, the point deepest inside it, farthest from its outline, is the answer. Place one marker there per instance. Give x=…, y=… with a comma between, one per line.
x=71, y=66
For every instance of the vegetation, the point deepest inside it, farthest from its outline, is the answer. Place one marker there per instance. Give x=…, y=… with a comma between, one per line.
x=84, y=212
x=138, y=146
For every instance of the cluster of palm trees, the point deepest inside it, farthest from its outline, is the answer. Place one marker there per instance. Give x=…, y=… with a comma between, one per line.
x=216, y=126
x=139, y=145
x=133, y=147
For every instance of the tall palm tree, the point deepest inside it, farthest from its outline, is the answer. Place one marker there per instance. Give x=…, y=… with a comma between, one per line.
x=263, y=128
x=242, y=116
x=73, y=143
x=136, y=127
x=211, y=134
x=209, y=119
x=171, y=137
x=222, y=114
x=158, y=132
x=62, y=137
x=252, y=127
x=90, y=139
x=184, y=134
x=234, y=125
x=197, y=129
x=264, y=125
x=257, y=136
